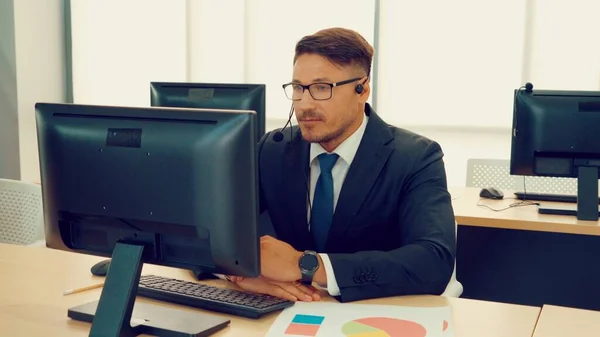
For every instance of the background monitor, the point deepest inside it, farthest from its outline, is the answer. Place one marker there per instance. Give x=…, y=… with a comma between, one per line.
x=174, y=187
x=236, y=96
x=556, y=134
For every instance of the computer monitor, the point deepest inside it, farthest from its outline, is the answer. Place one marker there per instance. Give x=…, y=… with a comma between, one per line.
x=167, y=186
x=556, y=134
x=212, y=96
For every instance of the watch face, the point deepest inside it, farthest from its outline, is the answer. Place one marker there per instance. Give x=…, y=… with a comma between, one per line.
x=309, y=262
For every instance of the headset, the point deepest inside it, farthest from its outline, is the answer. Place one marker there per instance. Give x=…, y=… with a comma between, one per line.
x=359, y=89
x=528, y=89
x=278, y=135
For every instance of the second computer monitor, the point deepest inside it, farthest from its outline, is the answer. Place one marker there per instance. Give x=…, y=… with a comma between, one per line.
x=555, y=134
x=236, y=96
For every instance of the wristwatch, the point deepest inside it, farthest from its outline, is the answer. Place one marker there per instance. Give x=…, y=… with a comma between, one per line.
x=308, y=263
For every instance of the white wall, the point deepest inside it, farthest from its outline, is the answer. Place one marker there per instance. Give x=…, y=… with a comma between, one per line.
x=565, y=50
x=446, y=69
x=451, y=63
x=216, y=41
x=40, y=69
x=119, y=47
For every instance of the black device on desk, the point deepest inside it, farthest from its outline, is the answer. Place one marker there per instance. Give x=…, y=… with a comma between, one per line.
x=491, y=193
x=552, y=197
x=238, y=96
x=555, y=134
x=167, y=186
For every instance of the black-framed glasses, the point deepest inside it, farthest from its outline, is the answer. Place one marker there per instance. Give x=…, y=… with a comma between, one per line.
x=319, y=91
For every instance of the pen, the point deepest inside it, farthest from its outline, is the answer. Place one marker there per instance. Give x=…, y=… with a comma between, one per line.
x=78, y=290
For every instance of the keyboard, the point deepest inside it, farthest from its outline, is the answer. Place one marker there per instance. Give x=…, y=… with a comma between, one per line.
x=548, y=197
x=211, y=298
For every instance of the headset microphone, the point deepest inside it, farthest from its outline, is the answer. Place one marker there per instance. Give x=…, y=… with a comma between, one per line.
x=278, y=135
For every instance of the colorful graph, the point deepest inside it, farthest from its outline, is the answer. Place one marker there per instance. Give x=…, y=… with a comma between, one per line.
x=383, y=327
x=304, y=325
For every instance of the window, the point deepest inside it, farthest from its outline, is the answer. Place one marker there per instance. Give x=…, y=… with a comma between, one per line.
x=449, y=63
x=565, y=53
x=119, y=47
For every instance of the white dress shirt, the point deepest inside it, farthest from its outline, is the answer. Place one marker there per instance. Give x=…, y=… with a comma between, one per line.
x=346, y=152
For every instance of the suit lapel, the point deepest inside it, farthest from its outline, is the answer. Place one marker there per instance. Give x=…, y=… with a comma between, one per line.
x=295, y=179
x=371, y=156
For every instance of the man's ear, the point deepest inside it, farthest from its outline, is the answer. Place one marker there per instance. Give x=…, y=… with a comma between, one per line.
x=365, y=92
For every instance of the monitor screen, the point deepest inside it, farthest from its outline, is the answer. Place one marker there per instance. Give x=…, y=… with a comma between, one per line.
x=180, y=182
x=212, y=96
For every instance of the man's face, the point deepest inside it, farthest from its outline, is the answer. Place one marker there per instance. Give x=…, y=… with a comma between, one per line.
x=332, y=120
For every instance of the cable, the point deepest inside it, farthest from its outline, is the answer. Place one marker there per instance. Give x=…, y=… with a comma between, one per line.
x=129, y=224
x=278, y=135
x=290, y=120
x=306, y=174
x=528, y=88
x=523, y=202
x=513, y=205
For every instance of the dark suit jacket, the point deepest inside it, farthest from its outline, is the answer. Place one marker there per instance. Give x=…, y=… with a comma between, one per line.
x=393, y=230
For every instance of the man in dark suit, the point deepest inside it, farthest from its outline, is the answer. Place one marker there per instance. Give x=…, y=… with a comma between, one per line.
x=359, y=207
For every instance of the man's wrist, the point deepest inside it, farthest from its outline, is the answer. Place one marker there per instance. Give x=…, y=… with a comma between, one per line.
x=320, y=276
x=297, y=270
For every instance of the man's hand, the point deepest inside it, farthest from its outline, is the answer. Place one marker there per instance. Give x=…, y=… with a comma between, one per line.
x=293, y=291
x=279, y=260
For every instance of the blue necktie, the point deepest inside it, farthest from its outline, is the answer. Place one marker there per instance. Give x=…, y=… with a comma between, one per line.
x=322, y=207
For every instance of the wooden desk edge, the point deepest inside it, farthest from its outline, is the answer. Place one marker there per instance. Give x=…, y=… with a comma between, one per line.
x=538, y=226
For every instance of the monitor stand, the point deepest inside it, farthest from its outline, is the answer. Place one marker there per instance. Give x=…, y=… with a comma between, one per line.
x=587, y=197
x=564, y=210
x=117, y=315
x=201, y=274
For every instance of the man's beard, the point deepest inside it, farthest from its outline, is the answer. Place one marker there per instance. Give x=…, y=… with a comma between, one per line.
x=322, y=138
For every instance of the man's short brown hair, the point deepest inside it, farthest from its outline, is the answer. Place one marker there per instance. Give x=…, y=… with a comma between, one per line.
x=339, y=45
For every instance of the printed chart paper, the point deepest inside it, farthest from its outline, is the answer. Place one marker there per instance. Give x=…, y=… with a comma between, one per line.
x=362, y=320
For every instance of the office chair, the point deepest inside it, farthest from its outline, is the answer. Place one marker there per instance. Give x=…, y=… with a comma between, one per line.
x=496, y=173
x=21, y=215
x=454, y=288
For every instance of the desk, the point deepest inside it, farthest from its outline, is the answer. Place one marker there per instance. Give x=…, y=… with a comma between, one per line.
x=467, y=213
x=560, y=321
x=520, y=256
x=33, y=279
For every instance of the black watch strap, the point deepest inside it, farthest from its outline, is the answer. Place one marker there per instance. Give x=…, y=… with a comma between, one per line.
x=307, y=278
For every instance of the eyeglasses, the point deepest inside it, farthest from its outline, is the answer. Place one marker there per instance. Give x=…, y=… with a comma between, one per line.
x=318, y=91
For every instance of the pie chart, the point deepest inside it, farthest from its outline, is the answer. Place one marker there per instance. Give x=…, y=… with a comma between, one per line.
x=383, y=327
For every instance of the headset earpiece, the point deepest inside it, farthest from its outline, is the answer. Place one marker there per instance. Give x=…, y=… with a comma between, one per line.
x=359, y=89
